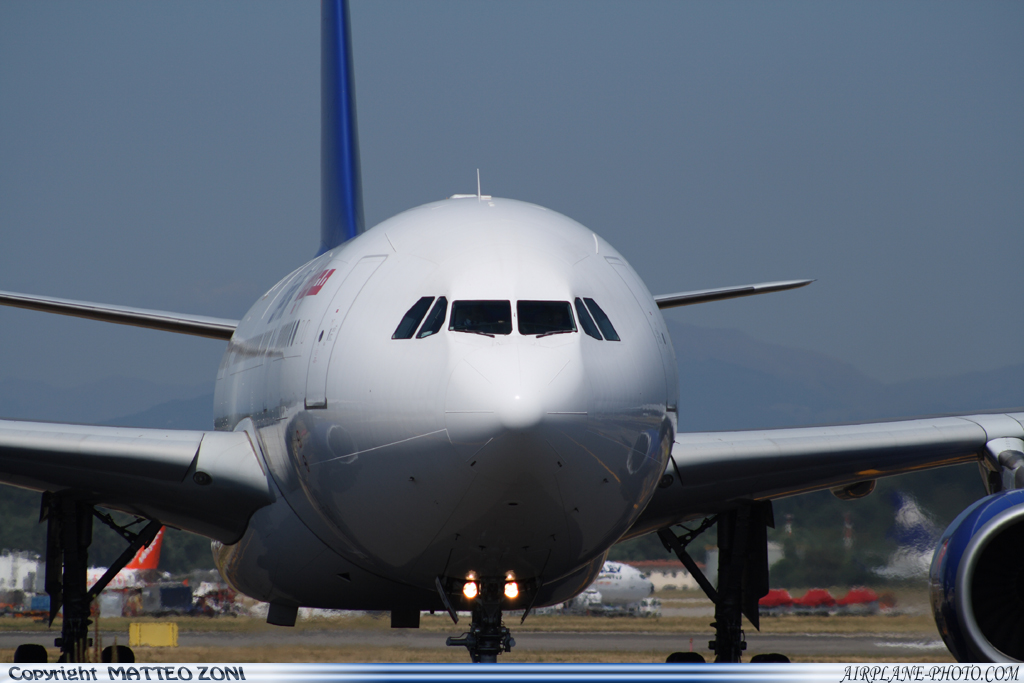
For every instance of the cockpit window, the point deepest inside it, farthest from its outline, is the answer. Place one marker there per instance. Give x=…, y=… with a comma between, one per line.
x=412, y=319
x=544, y=317
x=602, y=321
x=435, y=319
x=481, y=317
x=586, y=322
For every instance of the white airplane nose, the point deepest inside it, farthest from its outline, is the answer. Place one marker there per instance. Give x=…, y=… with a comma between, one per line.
x=520, y=411
x=512, y=388
x=514, y=412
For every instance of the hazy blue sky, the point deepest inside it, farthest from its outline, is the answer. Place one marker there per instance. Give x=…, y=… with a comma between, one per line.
x=166, y=155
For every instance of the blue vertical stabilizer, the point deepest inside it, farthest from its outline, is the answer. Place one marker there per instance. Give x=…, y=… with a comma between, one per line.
x=341, y=216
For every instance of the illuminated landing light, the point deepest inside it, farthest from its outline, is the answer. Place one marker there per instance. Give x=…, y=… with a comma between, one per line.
x=511, y=590
x=470, y=590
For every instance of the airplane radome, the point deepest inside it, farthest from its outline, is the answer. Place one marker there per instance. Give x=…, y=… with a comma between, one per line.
x=463, y=409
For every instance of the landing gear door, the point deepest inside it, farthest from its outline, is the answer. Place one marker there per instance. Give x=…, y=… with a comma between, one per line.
x=327, y=332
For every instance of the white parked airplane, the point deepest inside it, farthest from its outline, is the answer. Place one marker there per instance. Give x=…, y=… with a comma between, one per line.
x=621, y=584
x=464, y=408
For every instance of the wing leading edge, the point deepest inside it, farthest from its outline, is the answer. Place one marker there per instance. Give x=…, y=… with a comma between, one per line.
x=209, y=483
x=198, y=325
x=713, y=471
x=701, y=296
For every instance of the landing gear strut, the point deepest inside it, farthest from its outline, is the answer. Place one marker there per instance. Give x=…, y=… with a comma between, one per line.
x=68, y=536
x=742, y=572
x=487, y=637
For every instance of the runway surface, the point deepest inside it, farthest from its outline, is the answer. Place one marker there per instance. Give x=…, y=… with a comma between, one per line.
x=890, y=645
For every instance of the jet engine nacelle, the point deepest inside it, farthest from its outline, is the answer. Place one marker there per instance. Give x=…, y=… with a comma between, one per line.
x=977, y=581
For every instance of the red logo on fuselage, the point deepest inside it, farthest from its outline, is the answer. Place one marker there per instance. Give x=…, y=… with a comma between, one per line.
x=316, y=283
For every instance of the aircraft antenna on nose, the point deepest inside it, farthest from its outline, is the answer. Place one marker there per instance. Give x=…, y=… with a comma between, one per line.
x=480, y=196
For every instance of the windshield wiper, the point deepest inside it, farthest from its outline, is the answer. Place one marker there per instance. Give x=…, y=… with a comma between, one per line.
x=548, y=334
x=486, y=334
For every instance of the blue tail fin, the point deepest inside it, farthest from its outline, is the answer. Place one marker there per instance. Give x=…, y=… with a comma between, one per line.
x=341, y=216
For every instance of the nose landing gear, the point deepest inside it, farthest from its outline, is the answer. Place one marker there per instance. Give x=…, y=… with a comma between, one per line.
x=487, y=637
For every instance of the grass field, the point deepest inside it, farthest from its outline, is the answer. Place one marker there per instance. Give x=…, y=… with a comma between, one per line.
x=914, y=623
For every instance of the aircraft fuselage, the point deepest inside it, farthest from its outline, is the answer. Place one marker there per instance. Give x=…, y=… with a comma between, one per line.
x=488, y=446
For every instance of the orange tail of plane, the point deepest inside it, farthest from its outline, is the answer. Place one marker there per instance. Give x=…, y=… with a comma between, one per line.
x=148, y=557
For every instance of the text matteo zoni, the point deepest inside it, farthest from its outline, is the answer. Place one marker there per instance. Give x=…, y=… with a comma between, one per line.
x=128, y=673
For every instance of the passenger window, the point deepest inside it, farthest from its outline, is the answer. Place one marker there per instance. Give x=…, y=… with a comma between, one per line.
x=602, y=321
x=435, y=319
x=412, y=319
x=586, y=322
x=544, y=317
x=481, y=317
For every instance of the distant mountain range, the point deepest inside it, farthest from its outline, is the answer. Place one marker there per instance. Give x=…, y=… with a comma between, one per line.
x=99, y=402
x=729, y=380
x=185, y=413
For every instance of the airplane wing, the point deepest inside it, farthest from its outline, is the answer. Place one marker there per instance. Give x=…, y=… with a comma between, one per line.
x=199, y=325
x=701, y=296
x=712, y=471
x=209, y=483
